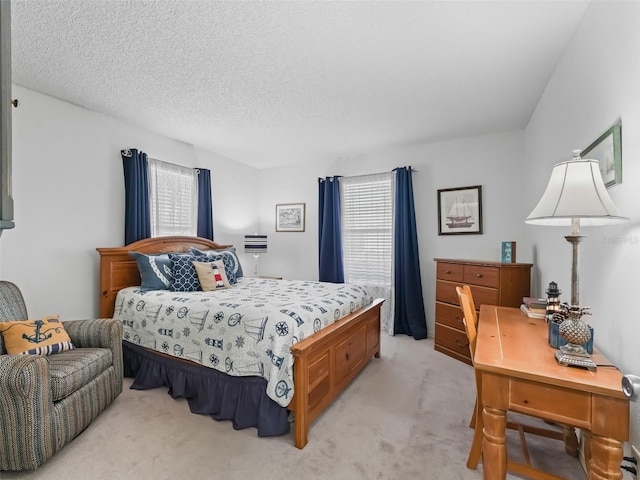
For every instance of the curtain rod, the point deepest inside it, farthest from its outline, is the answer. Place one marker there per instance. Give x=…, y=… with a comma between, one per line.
x=370, y=174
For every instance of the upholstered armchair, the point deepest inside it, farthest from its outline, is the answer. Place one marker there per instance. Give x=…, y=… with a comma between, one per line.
x=46, y=401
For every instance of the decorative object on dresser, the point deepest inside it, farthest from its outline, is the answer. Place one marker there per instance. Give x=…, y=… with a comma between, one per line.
x=460, y=210
x=575, y=196
x=331, y=351
x=508, y=252
x=607, y=149
x=493, y=283
x=290, y=217
x=255, y=244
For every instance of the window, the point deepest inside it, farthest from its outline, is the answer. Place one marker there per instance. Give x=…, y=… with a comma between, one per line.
x=174, y=199
x=367, y=228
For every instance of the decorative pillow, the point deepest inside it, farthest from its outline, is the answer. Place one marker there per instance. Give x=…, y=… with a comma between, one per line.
x=185, y=277
x=155, y=271
x=35, y=337
x=233, y=260
x=211, y=275
x=228, y=256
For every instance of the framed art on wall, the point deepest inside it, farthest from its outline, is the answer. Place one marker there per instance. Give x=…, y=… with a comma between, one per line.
x=290, y=217
x=460, y=210
x=607, y=149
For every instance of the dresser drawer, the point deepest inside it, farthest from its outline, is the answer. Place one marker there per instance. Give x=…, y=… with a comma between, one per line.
x=449, y=315
x=484, y=296
x=450, y=271
x=481, y=275
x=446, y=292
x=452, y=339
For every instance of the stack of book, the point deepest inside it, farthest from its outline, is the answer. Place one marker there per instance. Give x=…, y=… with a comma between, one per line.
x=534, y=307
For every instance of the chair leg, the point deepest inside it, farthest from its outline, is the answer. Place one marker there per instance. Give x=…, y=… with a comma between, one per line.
x=570, y=440
x=476, y=445
x=472, y=423
x=525, y=448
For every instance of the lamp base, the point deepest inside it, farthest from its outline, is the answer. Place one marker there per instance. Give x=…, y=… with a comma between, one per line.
x=570, y=358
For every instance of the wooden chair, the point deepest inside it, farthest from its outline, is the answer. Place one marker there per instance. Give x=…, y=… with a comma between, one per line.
x=477, y=423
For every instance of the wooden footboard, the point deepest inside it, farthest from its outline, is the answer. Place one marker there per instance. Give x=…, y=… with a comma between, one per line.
x=328, y=360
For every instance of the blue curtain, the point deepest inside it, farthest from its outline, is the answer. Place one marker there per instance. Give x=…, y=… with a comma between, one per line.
x=330, y=236
x=137, y=218
x=409, y=317
x=205, y=205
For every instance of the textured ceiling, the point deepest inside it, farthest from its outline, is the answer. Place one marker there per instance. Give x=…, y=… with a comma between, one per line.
x=274, y=83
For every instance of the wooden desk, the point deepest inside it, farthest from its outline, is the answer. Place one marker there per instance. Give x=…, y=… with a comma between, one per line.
x=520, y=373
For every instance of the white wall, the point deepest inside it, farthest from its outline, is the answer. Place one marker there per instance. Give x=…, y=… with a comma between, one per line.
x=493, y=161
x=596, y=82
x=68, y=191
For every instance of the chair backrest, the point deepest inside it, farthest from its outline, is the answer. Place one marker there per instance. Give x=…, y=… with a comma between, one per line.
x=12, y=306
x=470, y=319
x=467, y=290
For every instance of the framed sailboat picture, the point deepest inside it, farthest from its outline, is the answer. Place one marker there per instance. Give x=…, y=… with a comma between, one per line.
x=460, y=210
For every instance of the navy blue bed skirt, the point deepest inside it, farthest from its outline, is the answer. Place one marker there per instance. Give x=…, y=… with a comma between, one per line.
x=243, y=400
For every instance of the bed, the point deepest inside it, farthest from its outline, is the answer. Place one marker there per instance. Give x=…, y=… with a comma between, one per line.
x=326, y=354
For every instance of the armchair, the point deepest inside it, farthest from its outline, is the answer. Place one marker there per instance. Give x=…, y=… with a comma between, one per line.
x=46, y=401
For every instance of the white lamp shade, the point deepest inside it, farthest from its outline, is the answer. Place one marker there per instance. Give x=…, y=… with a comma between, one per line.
x=575, y=191
x=255, y=244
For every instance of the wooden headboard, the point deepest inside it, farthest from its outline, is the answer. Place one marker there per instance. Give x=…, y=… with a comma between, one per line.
x=119, y=270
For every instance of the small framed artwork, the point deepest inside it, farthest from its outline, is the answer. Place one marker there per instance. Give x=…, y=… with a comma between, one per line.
x=509, y=252
x=460, y=210
x=290, y=217
x=607, y=149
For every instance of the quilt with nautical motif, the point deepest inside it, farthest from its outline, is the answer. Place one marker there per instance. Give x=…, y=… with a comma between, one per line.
x=243, y=330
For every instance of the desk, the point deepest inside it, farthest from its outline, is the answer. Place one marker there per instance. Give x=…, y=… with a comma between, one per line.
x=520, y=373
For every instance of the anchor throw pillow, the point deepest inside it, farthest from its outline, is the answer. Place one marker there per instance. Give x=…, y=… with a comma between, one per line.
x=35, y=337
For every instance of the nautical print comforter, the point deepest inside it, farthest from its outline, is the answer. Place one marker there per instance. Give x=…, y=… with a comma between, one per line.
x=243, y=330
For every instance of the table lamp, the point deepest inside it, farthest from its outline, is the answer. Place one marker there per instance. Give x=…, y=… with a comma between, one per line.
x=255, y=244
x=575, y=196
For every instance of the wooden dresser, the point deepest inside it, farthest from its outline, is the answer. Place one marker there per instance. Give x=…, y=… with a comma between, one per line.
x=492, y=283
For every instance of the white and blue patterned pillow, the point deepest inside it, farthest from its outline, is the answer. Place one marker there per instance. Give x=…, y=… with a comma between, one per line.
x=155, y=270
x=232, y=266
x=185, y=276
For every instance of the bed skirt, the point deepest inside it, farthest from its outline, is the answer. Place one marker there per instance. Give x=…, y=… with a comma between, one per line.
x=243, y=400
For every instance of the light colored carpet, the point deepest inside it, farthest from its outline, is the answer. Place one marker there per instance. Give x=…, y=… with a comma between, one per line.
x=405, y=416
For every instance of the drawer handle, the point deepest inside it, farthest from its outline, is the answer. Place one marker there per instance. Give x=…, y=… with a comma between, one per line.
x=459, y=319
x=462, y=345
x=448, y=272
x=479, y=275
x=346, y=356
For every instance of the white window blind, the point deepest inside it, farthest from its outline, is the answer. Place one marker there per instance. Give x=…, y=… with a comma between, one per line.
x=367, y=228
x=174, y=199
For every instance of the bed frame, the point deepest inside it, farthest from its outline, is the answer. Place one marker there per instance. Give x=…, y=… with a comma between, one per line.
x=325, y=362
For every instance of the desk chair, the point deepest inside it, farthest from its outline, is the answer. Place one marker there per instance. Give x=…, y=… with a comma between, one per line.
x=477, y=422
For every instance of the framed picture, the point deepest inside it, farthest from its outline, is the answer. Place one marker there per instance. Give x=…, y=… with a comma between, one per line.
x=290, y=217
x=607, y=149
x=460, y=210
